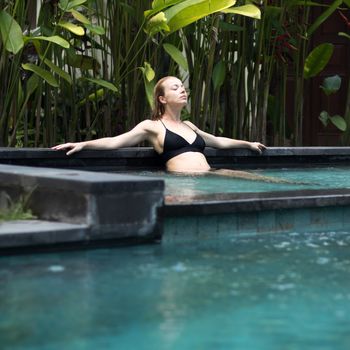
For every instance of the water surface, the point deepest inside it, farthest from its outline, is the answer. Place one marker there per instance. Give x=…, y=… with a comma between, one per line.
x=266, y=292
x=300, y=178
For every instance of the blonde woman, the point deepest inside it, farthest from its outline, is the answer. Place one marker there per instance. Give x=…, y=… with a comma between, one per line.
x=180, y=144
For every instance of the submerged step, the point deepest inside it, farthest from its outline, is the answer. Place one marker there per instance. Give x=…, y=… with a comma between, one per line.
x=26, y=233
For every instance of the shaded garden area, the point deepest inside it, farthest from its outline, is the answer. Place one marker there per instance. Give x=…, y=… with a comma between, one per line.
x=76, y=70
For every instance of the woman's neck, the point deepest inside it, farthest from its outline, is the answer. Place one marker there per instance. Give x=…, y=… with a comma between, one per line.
x=173, y=114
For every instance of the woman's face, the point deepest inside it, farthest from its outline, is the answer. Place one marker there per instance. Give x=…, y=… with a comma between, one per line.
x=174, y=92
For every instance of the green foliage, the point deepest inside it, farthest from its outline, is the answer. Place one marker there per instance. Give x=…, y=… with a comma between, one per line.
x=176, y=55
x=248, y=10
x=324, y=16
x=219, y=75
x=331, y=85
x=11, y=33
x=88, y=70
x=336, y=120
x=317, y=60
x=189, y=11
x=15, y=210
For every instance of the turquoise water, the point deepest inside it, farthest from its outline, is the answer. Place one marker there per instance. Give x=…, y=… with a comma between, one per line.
x=260, y=293
x=304, y=178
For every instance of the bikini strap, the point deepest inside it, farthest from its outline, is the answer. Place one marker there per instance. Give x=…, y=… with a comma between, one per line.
x=163, y=124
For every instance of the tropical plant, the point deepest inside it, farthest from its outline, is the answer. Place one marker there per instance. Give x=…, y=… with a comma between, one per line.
x=14, y=210
x=87, y=68
x=346, y=138
x=330, y=86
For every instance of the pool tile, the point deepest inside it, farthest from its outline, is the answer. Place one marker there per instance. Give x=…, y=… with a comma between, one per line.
x=248, y=223
x=334, y=217
x=346, y=217
x=187, y=227
x=302, y=220
x=208, y=227
x=318, y=218
x=227, y=225
x=170, y=227
x=266, y=221
x=285, y=220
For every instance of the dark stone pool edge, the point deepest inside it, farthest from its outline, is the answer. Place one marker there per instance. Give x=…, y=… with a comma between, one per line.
x=145, y=158
x=82, y=207
x=253, y=214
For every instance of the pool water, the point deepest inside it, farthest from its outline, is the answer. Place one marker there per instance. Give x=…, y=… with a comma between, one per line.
x=300, y=178
x=267, y=292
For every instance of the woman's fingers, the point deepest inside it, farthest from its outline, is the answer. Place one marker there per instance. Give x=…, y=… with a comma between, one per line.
x=71, y=147
x=63, y=146
x=259, y=147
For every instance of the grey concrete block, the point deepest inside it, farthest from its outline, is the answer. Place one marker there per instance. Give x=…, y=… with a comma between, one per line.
x=109, y=206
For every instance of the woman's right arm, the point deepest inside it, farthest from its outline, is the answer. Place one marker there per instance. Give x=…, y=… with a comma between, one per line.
x=139, y=133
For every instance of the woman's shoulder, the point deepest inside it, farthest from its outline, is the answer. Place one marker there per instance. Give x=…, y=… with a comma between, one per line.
x=191, y=125
x=149, y=125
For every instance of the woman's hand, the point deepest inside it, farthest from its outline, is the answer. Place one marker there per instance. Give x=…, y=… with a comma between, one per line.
x=73, y=147
x=257, y=147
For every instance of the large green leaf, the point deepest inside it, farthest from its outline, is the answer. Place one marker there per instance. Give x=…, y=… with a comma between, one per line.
x=58, y=71
x=80, y=17
x=317, y=60
x=320, y=19
x=249, y=10
x=42, y=73
x=339, y=122
x=67, y=5
x=189, y=11
x=219, y=74
x=95, y=29
x=77, y=30
x=104, y=83
x=54, y=39
x=331, y=84
x=176, y=55
x=159, y=5
x=11, y=33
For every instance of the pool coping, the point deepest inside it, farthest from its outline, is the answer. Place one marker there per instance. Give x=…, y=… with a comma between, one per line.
x=146, y=158
x=253, y=201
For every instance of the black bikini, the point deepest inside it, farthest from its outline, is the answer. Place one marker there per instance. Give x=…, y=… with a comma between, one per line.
x=175, y=144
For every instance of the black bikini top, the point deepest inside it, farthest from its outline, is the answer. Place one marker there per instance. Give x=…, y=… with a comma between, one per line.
x=175, y=144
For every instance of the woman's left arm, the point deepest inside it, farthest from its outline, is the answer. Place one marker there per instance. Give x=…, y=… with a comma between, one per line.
x=225, y=142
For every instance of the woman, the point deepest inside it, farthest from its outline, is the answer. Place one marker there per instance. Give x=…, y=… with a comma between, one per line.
x=179, y=143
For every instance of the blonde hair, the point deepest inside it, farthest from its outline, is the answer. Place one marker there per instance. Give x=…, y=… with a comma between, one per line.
x=158, y=107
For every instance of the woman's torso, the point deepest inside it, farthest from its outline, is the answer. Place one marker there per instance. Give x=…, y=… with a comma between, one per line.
x=180, y=147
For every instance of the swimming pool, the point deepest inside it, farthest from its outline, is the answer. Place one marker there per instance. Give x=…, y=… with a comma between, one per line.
x=245, y=290
x=300, y=178
x=272, y=292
